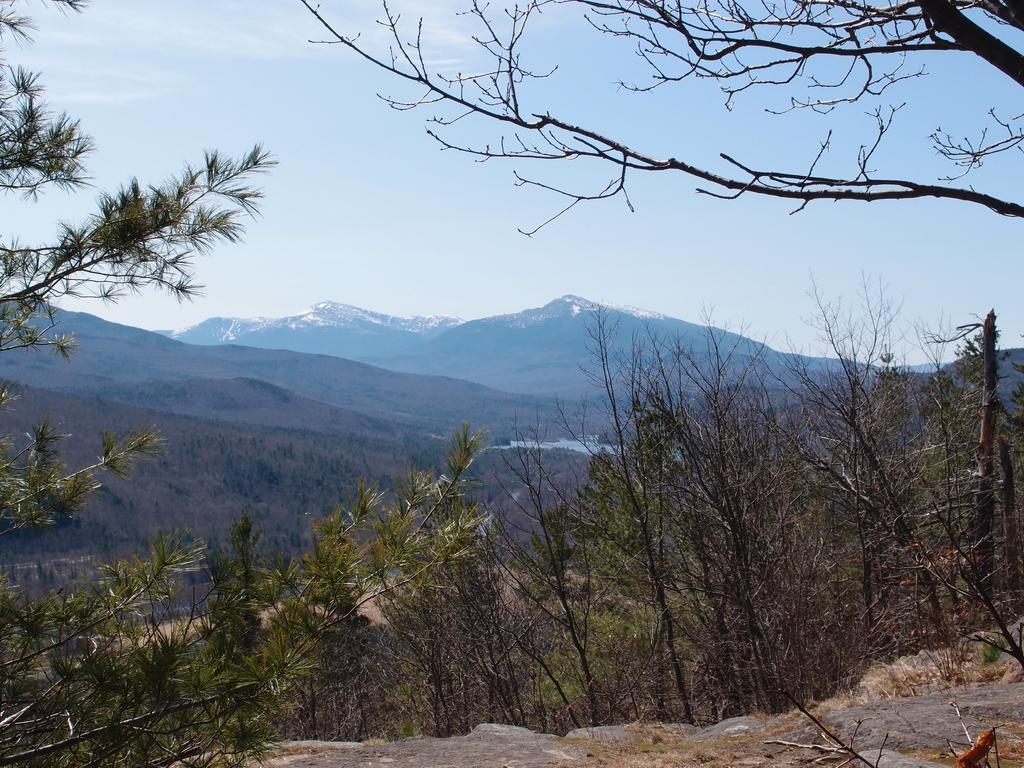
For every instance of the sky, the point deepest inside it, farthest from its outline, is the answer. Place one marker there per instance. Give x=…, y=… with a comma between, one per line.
x=364, y=208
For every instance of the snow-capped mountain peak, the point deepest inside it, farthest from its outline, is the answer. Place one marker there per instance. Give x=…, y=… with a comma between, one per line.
x=570, y=305
x=344, y=330
x=579, y=304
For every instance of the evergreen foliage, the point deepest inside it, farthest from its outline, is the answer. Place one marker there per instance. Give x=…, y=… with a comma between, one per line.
x=135, y=668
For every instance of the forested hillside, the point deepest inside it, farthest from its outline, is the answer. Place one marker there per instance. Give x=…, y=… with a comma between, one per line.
x=207, y=474
x=228, y=447
x=113, y=359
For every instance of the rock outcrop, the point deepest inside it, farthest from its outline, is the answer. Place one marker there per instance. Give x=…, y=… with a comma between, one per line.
x=488, y=745
x=883, y=731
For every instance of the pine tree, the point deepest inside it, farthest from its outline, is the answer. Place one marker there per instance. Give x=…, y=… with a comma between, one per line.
x=132, y=669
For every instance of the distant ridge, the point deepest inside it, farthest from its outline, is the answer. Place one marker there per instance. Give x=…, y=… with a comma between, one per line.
x=335, y=315
x=327, y=328
x=538, y=351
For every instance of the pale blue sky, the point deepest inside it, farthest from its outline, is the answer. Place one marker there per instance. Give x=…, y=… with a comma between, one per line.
x=366, y=210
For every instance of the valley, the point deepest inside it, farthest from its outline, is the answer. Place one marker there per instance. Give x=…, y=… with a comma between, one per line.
x=261, y=415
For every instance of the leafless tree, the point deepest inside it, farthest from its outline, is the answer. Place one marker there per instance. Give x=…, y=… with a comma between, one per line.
x=985, y=505
x=822, y=54
x=1011, y=552
x=701, y=504
x=855, y=440
x=454, y=644
x=635, y=470
x=750, y=527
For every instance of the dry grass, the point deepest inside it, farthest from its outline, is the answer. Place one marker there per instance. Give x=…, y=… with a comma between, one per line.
x=750, y=751
x=739, y=752
x=930, y=671
x=656, y=746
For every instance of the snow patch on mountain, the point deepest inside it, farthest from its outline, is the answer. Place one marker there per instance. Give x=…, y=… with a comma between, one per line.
x=331, y=313
x=326, y=314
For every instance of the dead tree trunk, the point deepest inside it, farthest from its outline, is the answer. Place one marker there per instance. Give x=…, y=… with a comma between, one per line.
x=1011, y=554
x=984, y=511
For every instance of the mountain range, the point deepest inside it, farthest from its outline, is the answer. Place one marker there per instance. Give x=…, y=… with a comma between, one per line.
x=544, y=351
x=131, y=365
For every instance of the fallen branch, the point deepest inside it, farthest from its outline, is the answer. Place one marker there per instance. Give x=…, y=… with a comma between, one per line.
x=831, y=752
x=835, y=744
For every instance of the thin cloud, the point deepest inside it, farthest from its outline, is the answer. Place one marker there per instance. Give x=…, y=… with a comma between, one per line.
x=108, y=96
x=234, y=30
x=162, y=35
x=70, y=83
x=215, y=29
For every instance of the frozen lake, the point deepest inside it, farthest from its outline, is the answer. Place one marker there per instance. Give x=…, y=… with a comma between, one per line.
x=586, y=445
